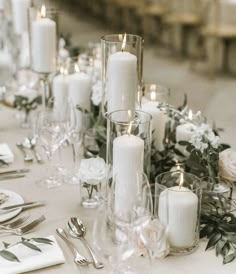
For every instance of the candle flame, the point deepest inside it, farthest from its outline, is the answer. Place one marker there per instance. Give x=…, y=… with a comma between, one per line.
x=61, y=70
x=130, y=127
x=153, y=87
x=123, y=43
x=181, y=179
x=153, y=96
x=190, y=115
x=77, y=68
x=43, y=11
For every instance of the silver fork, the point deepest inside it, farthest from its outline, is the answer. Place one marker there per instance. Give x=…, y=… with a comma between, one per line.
x=25, y=229
x=16, y=223
x=78, y=258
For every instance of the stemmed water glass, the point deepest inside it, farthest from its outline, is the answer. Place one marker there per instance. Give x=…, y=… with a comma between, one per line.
x=50, y=133
x=115, y=232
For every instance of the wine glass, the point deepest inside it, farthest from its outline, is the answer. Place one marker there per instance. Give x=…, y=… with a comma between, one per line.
x=50, y=133
x=115, y=228
x=153, y=236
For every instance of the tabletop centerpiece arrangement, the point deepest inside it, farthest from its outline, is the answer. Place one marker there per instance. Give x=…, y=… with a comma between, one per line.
x=166, y=175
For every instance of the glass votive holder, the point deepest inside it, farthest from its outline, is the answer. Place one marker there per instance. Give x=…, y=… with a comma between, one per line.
x=217, y=195
x=129, y=141
x=178, y=205
x=155, y=93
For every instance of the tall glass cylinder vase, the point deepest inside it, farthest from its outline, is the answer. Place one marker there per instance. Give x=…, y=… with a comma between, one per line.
x=122, y=68
x=129, y=141
x=43, y=27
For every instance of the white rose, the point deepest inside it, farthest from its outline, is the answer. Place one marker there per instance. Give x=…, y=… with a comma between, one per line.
x=227, y=164
x=92, y=171
x=97, y=93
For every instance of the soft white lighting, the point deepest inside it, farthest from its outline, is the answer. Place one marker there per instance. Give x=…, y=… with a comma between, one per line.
x=43, y=11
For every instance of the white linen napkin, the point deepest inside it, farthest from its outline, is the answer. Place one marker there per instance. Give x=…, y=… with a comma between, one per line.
x=6, y=153
x=31, y=260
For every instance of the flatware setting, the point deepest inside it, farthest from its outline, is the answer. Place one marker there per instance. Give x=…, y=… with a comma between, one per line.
x=30, y=143
x=13, y=174
x=14, y=171
x=78, y=258
x=24, y=229
x=7, y=209
x=78, y=230
x=27, y=155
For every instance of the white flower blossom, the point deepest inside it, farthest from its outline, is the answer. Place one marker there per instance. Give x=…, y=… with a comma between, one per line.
x=203, y=136
x=97, y=93
x=92, y=171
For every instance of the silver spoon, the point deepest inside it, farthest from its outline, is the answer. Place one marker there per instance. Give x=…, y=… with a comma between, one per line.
x=27, y=156
x=78, y=230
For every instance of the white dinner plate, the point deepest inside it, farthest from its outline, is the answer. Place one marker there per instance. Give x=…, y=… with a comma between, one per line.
x=14, y=198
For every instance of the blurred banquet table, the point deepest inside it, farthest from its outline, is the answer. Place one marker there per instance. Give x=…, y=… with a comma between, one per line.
x=63, y=202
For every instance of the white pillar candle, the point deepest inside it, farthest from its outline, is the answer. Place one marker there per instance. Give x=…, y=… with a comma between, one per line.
x=60, y=93
x=20, y=15
x=24, y=58
x=43, y=45
x=128, y=154
x=121, y=81
x=79, y=94
x=178, y=209
x=158, y=123
x=2, y=5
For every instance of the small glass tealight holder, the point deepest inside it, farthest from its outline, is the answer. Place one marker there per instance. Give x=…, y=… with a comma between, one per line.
x=178, y=207
x=155, y=93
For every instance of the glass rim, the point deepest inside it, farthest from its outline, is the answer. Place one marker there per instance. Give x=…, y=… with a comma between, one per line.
x=162, y=90
x=105, y=38
x=108, y=116
x=196, y=180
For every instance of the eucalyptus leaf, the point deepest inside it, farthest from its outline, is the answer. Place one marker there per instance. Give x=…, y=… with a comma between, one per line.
x=43, y=240
x=213, y=240
x=31, y=246
x=9, y=256
x=219, y=247
x=229, y=258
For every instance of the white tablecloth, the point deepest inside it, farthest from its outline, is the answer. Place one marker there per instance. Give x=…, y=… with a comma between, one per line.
x=63, y=203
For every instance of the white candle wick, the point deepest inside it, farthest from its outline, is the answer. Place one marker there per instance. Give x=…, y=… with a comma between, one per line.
x=123, y=43
x=43, y=11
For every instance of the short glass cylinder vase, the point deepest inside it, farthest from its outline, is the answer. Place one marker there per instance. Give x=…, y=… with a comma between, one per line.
x=129, y=141
x=122, y=69
x=178, y=205
x=90, y=194
x=217, y=195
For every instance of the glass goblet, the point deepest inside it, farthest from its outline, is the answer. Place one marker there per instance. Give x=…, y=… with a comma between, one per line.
x=50, y=136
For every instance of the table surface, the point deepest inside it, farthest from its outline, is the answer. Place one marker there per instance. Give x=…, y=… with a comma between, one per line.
x=63, y=202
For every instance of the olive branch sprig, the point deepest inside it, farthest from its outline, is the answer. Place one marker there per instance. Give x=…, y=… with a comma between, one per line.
x=30, y=243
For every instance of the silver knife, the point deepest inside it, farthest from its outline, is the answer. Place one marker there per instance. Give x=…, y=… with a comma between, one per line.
x=11, y=176
x=23, y=206
x=14, y=171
